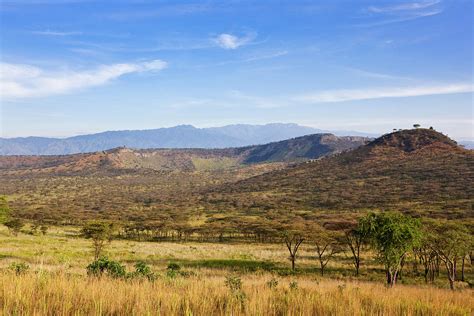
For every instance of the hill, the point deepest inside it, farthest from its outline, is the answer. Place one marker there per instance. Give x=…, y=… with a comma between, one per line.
x=183, y=136
x=411, y=170
x=297, y=149
x=417, y=171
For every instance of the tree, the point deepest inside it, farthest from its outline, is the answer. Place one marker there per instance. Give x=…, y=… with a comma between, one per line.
x=100, y=233
x=4, y=210
x=326, y=246
x=425, y=253
x=14, y=225
x=355, y=238
x=392, y=235
x=293, y=237
x=452, y=243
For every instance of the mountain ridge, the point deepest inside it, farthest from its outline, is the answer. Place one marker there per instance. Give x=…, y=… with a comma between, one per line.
x=187, y=159
x=181, y=136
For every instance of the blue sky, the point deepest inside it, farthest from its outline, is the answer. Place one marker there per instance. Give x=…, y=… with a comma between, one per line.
x=73, y=67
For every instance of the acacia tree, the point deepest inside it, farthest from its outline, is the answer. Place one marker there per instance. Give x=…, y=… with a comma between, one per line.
x=452, y=243
x=425, y=253
x=100, y=233
x=355, y=238
x=293, y=237
x=326, y=246
x=14, y=225
x=392, y=235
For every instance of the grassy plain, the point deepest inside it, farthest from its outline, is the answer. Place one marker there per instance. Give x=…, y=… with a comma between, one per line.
x=56, y=282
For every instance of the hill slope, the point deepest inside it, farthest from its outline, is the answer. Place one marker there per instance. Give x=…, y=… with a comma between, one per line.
x=297, y=149
x=183, y=136
x=407, y=170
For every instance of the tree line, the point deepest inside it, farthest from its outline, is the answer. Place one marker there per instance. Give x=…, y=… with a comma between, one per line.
x=392, y=236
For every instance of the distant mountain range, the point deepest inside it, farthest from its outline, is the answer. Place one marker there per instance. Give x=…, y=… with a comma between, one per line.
x=182, y=136
x=292, y=150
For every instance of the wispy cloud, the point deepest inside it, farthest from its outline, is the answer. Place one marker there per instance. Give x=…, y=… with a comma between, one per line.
x=26, y=81
x=253, y=58
x=146, y=12
x=343, y=95
x=409, y=6
x=402, y=12
x=229, y=41
x=55, y=33
x=376, y=75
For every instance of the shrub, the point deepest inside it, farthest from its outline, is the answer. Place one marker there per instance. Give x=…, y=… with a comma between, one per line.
x=293, y=285
x=273, y=283
x=44, y=229
x=112, y=268
x=172, y=266
x=233, y=282
x=19, y=268
x=14, y=225
x=142, y=270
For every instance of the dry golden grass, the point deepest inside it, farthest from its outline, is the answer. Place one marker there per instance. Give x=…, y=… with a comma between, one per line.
x=56, y=283
x=46, y=294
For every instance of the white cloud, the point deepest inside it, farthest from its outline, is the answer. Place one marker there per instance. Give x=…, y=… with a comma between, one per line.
x=229, y=41
x=24, y=81
x=56, y=33
x=402, y=12
x=410, y=6
x=379, y=93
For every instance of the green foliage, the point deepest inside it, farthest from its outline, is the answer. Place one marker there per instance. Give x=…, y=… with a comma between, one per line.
x=44, y=229
x=272, y=283
x=100, y=233
x=142, y=271
x=233, y=282
x=103, y=265
x=172, y=266
x=392, y=235
x=4, y=210
x=98, y=230
x=14, y=225
x=293, y=285
x=451, y=241
x=233, y=264
x=19, y=268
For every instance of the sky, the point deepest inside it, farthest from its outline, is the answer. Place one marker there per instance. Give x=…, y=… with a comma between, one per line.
x=75, y=66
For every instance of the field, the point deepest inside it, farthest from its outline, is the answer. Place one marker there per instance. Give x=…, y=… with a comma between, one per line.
x=56, y=281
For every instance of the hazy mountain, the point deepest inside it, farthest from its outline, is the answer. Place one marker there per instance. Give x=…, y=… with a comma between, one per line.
x=182, y=136
x=292, y=150
x=468, y=144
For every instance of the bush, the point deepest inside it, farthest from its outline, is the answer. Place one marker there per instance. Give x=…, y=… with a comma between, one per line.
x=293, y=285
x=233, y=282
x=19, y=268
x=14, y=225
x=172, y=266
x=112, y=268
x=273, y=283
x=142, y=270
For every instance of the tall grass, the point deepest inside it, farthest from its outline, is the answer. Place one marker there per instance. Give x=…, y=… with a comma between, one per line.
x=61, y=294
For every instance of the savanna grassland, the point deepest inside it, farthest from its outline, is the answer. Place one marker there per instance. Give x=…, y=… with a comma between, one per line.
x=384, y=229
x=56, y=281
